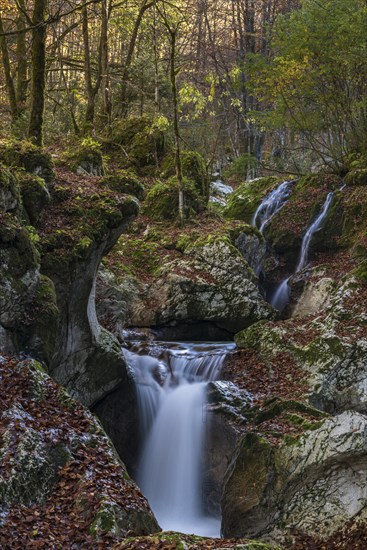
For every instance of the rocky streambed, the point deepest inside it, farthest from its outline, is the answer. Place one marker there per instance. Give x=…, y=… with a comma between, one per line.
x=285, y=455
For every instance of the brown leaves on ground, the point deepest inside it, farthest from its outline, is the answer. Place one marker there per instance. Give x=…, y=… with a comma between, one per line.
x=352, y=537
x=90, y=476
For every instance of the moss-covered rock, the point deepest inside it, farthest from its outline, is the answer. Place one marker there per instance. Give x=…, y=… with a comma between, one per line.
x=54, y=455
x=26, y=155
x=85, y=158
x=142, y=142
x=356, y=177
x=9, y=191
x=193, y=168
x=310, y=485
x=124, y=181
x=161, y=202
x=35, y=195
x=243, y=203
x=208, y=282
x=286, y=229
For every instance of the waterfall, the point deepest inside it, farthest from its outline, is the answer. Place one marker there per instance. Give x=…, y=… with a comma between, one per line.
x=171, y=382
x=280, y=297
x=271, y=205
x=315, y=226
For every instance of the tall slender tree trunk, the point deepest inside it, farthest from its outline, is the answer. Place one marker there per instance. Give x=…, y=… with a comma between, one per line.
x=176, y=129
x=105, y=77
x=129, y=57
x=7, y=72
x=90, y=89
x=35, y=131
x=22, y=69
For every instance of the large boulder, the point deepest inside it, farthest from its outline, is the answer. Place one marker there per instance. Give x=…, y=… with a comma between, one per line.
x=59, y=468
x=79, y=228
x=315, y=484
x=27, y=156
x=27, y=300
x=208, y=282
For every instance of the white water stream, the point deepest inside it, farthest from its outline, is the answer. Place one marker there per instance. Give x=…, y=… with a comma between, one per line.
x=280, y=297
x=271, y=205
x=171, y=380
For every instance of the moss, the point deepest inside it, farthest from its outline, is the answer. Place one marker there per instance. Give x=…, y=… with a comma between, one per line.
x=356, y=177
x=16, y=240
x=85, y=158
x=253, y=336
x=193, y=168
x=141, y=141
x=138, y=255
x=361, y=271
x=124, y=181
x=161, y=202
x=304, y=423
x=87, y=221
x=35, y=195
x=9, y=191
x=45, y=315
x=276, y=407
x=322, y=349
x=243, y=202
x=104, y=521
x=24, y=154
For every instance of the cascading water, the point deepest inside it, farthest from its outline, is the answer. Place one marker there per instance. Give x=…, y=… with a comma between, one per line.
x=280, y=297
x=272, y=204
x=171, y=386
x=315, y=226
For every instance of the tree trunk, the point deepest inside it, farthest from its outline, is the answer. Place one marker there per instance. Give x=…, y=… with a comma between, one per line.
x=90, y=89
x=129, y=57
x=173, y=36
x=7, y=72
x=22, y=81
x=105, y=77
x=35, y=131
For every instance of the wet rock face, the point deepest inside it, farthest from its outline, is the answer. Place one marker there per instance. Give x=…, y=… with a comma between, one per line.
x=58, y=464
x=314, y=485
x=224, y=414
x=25, y=307
x=211, y=282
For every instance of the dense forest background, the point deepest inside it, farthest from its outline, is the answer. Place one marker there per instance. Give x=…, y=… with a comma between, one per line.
x=276, y=84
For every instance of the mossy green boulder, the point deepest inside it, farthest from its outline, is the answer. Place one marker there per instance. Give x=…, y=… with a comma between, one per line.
x=26, y=155
x=243, y=202
x=161, y=202
x=35, y=195
x=193, y=168
x=85, y=158
x=137, y=141
x=9, y=191
x=124, y=181
x=356, y=177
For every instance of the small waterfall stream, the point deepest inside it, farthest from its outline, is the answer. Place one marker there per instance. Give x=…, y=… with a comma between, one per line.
x=280, y=297
x=171, y=380
x=272, y=204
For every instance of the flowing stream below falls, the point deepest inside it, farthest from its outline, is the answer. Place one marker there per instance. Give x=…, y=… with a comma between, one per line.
x=171, y=380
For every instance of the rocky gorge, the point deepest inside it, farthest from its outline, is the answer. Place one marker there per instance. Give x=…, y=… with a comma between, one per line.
x=85, y=270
